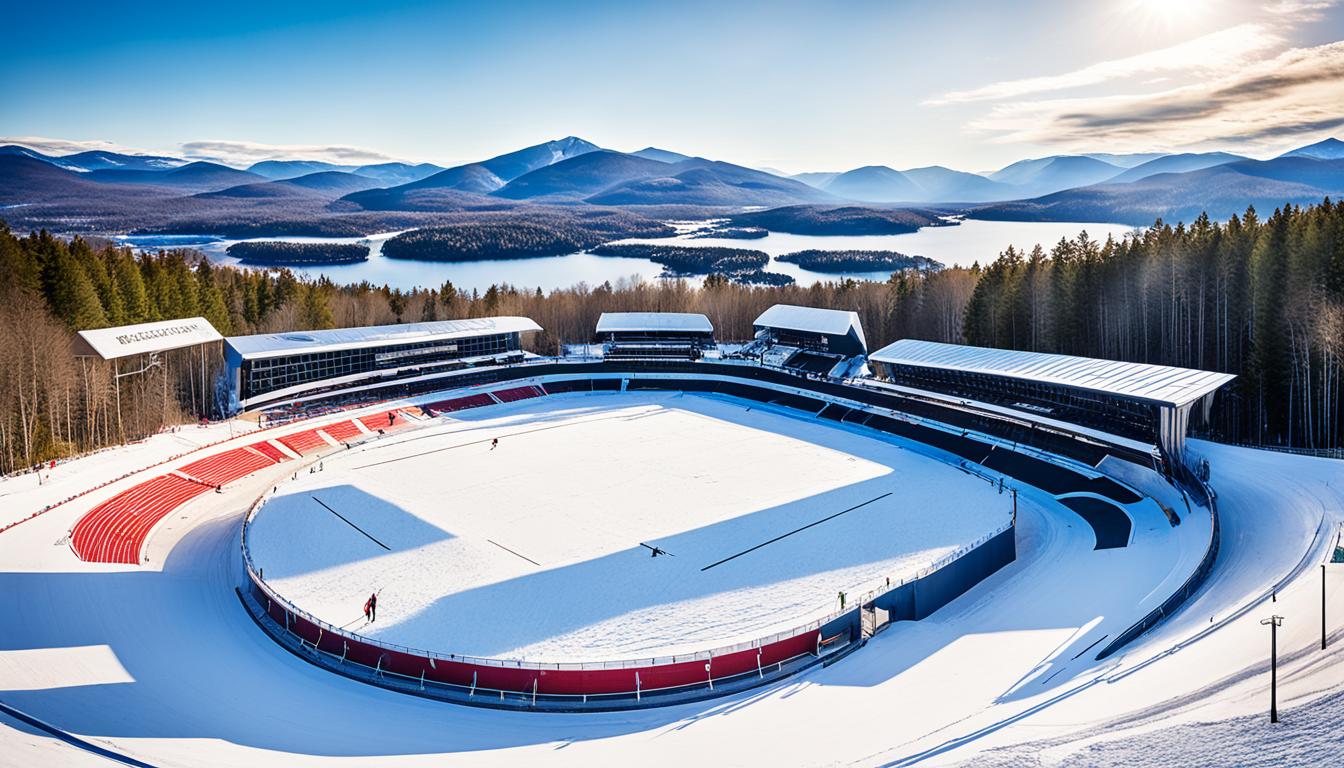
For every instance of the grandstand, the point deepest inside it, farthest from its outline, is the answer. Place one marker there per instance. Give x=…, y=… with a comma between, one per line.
x=808, y=340
x=1138, y=406
x=114, y=531
x=272, y=369
x=636, y=335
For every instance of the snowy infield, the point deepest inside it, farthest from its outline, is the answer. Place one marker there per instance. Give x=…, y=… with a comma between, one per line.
x=533, y=550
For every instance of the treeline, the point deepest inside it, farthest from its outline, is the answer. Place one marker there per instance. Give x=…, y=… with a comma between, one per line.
x=1261, y=298
x=278, y=253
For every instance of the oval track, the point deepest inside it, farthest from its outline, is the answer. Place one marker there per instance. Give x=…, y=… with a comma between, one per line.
x=163, y=665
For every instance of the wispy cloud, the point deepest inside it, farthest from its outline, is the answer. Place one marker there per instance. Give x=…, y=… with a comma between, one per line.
x=243, y=153
x=1296, y=92
x=1303, y=10
x=1214, y=52
x=236, y=153
x=50, y=146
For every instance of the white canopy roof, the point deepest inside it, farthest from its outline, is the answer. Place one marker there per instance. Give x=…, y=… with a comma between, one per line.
x=687, y=322
x=833, y=322
x=298, y=342
x=1159, y=383
x=139, y=339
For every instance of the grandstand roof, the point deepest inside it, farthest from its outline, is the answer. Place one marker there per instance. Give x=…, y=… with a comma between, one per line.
x=686, y=322
x=142, y=338
x=1164, y=384
x=833, y=322
x=298, y=342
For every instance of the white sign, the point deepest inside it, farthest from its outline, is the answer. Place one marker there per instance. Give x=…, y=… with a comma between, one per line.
x=143, y=338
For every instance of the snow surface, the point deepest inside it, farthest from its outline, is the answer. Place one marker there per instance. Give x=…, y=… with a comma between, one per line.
x=534, y=550
x=162, y=664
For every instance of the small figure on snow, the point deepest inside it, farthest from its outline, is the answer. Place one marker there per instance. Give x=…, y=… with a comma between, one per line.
x=841, y=595
x=371, y=607
x=494, y=444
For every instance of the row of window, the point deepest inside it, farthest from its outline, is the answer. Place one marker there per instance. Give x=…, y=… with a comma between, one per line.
x=271, y=374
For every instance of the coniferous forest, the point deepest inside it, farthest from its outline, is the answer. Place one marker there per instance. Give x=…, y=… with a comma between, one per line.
x=1259, y=297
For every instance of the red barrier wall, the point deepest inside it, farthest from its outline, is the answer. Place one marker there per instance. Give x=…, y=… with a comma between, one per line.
x=547, y=681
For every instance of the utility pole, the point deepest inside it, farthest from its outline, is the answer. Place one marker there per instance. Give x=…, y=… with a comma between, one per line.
x=1322, y=606
x=1274, y=623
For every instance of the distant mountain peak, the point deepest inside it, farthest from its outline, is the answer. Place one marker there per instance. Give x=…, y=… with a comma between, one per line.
x=1325, y=149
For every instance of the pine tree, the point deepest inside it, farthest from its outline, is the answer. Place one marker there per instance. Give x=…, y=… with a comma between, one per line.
x=130, y=286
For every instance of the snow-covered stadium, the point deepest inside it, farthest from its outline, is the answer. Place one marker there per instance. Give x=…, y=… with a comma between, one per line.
x=661, y=548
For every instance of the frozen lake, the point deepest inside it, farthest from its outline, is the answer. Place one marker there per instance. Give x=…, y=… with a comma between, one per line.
x=961, y=245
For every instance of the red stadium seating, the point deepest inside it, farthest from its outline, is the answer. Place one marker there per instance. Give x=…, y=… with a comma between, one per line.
x=459, y=403
x=114, y=531
x=341, y=431
x=269, y=451
x=517, y=393
x=379, y=421
x=227, y=466
x=304, y=443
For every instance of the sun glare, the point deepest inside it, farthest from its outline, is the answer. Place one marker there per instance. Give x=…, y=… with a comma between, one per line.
x=1169, y=13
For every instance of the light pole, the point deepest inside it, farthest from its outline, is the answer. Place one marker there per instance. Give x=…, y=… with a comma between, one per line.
x=1274, y=623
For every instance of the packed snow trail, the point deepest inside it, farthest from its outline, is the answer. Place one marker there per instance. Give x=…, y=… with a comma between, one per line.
x=161, y=664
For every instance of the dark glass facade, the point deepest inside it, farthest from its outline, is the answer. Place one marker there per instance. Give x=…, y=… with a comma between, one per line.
x=259, y=376
x=1126, y=417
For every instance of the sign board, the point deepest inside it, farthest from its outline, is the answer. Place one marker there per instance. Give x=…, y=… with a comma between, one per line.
x=144, y=338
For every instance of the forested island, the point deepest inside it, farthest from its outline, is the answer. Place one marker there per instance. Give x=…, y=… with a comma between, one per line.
x=733, y=233
x=857, y=261
x=279, y=254
x=739, y=264
x=842, y=220
x=520, y=237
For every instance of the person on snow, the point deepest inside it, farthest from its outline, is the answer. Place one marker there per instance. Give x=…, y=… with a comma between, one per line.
x=371, y=608
x=494, y=444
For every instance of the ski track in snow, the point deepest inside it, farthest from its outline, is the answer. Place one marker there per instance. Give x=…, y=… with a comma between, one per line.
x=160, y=663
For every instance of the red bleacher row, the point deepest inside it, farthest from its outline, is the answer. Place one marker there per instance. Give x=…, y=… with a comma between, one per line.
x=228, y=466
x=485, y=398
x=115, y=530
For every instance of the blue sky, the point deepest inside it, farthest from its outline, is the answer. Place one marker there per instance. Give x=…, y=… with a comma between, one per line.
x=794, y=86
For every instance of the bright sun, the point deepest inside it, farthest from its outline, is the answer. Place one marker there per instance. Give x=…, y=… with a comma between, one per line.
x=1170, y=13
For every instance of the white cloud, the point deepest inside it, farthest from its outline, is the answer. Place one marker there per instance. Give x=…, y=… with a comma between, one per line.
x=1214, y=52
x=49, y=146
x=1305, y=10
x=1296, y=94
x=236, y=153
x=244, y=153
